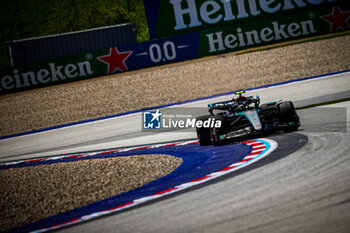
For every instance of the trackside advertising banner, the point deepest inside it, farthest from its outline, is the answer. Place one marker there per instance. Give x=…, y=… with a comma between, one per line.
x=298, y=25
x=172, y=17
x=287, y=20
x=99, y=63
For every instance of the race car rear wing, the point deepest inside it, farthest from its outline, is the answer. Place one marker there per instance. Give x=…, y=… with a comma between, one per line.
x=225, y=105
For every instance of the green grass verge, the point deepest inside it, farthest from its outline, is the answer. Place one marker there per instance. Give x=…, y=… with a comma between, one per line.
x=323, y=104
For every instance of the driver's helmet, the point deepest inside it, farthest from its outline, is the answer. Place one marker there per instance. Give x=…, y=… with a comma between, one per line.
x=241, y=99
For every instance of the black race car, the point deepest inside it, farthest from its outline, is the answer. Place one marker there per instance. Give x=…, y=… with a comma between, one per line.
x=244, y=116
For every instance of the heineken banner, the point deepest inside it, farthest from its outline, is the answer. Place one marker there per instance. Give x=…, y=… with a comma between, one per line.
x=99, y=63
x=172, y=17
x=273, y=30
x=225, y=38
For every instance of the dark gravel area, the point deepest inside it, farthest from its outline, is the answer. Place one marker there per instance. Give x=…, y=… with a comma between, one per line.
x=32, y=193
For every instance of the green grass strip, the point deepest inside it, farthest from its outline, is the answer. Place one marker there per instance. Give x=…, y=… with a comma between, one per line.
x=323, y=104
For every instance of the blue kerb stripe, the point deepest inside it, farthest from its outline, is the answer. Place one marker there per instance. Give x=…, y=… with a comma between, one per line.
x=261, y=154
x=166, y=105
x=266, y=149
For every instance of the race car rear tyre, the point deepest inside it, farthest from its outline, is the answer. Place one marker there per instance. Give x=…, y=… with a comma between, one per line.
x=288, y=115
x=203, y=134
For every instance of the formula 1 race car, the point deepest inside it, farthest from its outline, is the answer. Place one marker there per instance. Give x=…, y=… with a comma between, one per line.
x=244, y=116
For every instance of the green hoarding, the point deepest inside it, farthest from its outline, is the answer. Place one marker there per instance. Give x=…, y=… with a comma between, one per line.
x=302, y=24
x=58, y=71
x=172, y=17
x=99, y=63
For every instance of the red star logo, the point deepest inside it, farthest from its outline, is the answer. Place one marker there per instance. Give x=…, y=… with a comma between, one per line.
x=338, y=19
x=115, y=60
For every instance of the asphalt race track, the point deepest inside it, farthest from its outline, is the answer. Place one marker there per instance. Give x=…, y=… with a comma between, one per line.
x=294, y=189
x=303, y=186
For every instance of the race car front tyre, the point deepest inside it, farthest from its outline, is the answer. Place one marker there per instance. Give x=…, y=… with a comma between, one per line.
x=215, y=137
x=215, y=132
x=288, y=116
x=203, y=134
